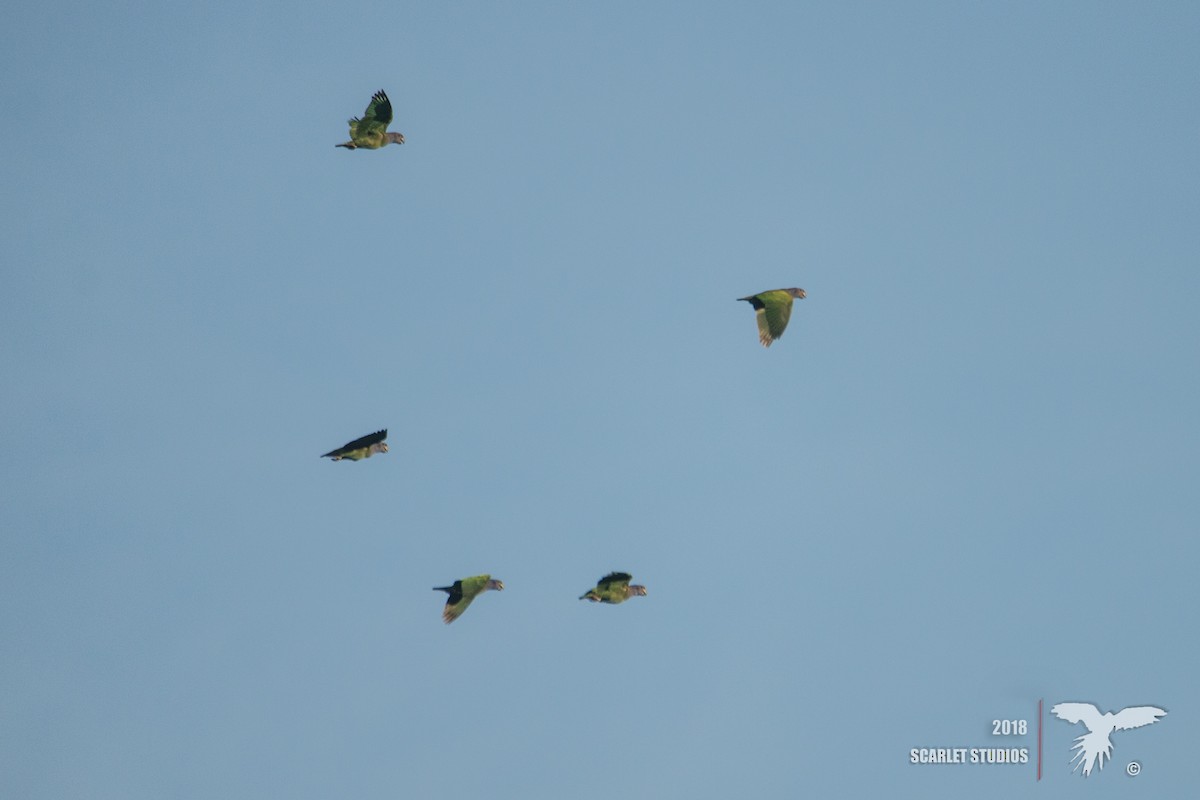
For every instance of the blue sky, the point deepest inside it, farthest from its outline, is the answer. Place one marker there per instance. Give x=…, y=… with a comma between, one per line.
x=963, y=481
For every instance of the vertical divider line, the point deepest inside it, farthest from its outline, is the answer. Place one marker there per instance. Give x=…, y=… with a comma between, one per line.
x=1039, y=774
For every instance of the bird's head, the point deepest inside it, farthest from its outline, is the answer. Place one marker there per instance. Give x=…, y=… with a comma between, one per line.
x=383, y=447
x=497, y=585
x=395, y=138
x=637, y=591
x=796, y=293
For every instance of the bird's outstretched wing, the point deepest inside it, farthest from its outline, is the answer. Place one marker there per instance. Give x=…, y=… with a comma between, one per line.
x=456, y=603
x=614, y=580
x=1136, y=717
x=1086, y=713
x=775, y=315
x=379, y=111
x=462, y=592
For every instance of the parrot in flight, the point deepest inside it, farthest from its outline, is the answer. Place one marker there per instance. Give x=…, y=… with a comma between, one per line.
x=370, y=132
x=614, y=588
x=772, y=310
x=365, y=447
x=1094, y=746
x=462, y=592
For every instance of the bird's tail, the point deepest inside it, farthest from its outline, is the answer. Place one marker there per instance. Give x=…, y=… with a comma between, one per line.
x=1092, y=749
x=347, y=145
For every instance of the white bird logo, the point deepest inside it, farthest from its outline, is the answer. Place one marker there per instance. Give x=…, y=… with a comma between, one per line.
x=1093, y=747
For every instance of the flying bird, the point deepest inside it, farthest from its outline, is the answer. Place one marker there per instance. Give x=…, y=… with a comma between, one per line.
x=365, y=447
x=463, y=592
x=1094, y=746
x=614, y=588
x=772, y=310
x=370, y=132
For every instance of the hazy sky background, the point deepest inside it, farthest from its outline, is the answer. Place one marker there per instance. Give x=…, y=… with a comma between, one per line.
x=965, y=479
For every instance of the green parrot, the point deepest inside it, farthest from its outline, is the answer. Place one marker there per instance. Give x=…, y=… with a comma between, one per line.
x=463, y=592
x=614, y=588
x=365, y=447
x=772, y=310
x=371, y=131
